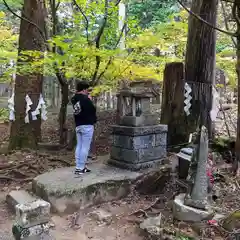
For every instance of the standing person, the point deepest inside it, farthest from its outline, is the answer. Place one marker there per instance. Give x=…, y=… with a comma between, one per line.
x=85, y=117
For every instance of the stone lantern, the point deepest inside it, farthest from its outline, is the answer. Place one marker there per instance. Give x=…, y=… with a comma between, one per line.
x=139, y=141
x=135, y=104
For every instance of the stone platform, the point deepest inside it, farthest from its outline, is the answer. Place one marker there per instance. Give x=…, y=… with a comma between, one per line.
x=68, y=193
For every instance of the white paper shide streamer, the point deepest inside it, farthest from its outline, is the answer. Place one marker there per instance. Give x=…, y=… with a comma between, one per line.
x=11, y=108
x=41, y=108
x=188, y=98
x=215, y=104
x=28, y=108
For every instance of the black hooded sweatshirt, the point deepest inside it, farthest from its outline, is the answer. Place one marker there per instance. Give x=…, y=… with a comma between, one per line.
x=83, y=110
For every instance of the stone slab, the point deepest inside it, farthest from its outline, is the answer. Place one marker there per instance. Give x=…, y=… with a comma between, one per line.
x=153, y=227
x=68, y=193
x=137, y=166
x=137, y=142
x=140, y=142
x=143, y=120
x=138, y=156
x=185, y=213
x=139, y=131
x=160, y=139
x=18, y=197
x=33, y=214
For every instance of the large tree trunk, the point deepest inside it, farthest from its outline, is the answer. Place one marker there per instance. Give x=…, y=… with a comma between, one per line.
x=172, y=102
x=27, y=135
x=200, y=64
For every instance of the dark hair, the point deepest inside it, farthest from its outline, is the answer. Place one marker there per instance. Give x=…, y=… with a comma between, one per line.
x=82, y=85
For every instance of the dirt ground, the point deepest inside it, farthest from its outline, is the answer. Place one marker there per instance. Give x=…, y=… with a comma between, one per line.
x=21, y=167
x=81, y=226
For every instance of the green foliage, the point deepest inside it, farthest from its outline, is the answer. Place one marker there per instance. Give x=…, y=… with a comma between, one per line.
x=4, y=113
x=151, y=12
x=79, y=53
x=13, y=4
x=8, y=47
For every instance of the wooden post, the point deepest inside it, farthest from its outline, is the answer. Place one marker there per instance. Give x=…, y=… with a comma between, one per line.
x=172, y=113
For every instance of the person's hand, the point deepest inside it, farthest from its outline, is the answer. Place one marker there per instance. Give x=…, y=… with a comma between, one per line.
x=89, y=96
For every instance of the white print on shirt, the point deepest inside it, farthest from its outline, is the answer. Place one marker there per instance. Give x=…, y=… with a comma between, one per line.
x=76, y=108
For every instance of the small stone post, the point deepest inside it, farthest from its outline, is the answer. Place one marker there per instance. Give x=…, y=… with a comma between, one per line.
x=199, y=193
x=32, y=221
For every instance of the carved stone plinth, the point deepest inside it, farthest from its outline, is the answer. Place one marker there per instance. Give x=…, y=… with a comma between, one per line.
x=38, y=232
x=137, y=148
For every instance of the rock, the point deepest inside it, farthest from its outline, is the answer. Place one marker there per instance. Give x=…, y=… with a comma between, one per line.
x=39, y=232
x=218, y=217
x=101, y=215
x=18, y=197
x=32, y=214
x=186, y=213
x=152, y=226
x=199, y=227
x=67, y=192
x=232, y=222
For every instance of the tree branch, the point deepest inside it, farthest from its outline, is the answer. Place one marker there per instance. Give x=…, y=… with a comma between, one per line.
x=111, y=58
x=117, y=3
x=97, y=42
x=85, y=18
x=234, y=13
x=57, y=6
x=205, y=22
x=226, y=22
x=101, y=29
x=27, y=20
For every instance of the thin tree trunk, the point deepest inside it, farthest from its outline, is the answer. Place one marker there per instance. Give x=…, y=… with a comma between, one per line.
x=237, y=145
x=200, y=64
x=62, y=81
x=27, y=135
x=63, y=114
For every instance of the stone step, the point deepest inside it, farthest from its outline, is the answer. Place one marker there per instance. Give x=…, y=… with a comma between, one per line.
x=18, y=197
x=68, y=193
x=30, y=211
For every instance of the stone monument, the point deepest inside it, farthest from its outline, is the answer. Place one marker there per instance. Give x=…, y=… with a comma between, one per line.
x=138, y=140
x=194, y=206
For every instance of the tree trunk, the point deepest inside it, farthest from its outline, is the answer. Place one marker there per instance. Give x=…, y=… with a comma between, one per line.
x=63, y=114
x=27, y=135
x=62, y=81
x=237, y=145
x=200, y=64
x=172, y=102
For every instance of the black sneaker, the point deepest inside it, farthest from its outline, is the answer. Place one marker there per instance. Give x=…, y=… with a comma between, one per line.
x=82, y=171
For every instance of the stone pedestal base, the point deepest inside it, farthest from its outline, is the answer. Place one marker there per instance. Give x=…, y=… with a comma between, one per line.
x=138, y=148
x=136, y=166
x=38, y=232
x=185, y=213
